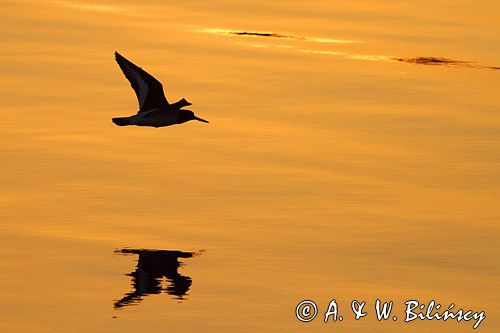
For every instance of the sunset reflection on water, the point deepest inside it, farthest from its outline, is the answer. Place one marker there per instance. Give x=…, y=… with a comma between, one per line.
x=352, y=153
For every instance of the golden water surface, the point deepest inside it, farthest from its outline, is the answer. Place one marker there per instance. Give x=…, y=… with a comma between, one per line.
x=352, y=153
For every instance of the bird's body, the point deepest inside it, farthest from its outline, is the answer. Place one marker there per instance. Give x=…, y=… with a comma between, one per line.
x=154, y=109
x=157, y=117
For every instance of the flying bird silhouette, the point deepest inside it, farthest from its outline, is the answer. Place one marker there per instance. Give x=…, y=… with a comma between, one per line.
x=154, y=109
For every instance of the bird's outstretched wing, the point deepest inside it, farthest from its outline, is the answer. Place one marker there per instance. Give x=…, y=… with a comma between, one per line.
x=149, y=90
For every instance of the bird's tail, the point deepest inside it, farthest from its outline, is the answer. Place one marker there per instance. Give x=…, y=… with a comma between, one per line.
x=121, y=121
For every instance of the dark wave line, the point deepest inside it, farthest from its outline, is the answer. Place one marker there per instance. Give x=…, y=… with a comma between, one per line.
x=436, y=61
x=276, y=35
x=260, y=34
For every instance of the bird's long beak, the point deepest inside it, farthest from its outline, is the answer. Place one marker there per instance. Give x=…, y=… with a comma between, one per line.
x=202, y=120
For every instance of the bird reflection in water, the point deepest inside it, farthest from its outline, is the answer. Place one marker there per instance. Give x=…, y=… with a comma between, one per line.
x=152, y=267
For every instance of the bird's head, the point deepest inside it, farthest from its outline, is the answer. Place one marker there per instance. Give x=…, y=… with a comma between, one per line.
x=187, y=115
